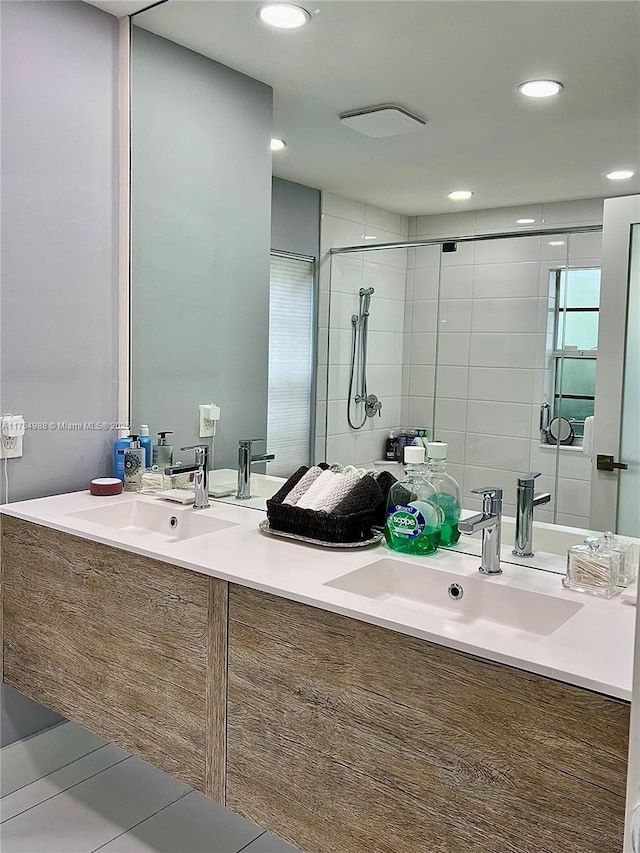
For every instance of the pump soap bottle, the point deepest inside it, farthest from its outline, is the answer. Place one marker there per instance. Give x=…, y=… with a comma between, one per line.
x=414, y=518
x=162, y=454
x=133, y=465
x=145, y=444
x=119, y=447
x=447, y=492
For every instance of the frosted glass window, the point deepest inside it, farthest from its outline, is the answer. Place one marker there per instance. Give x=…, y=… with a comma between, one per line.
x=580, y=288
x=577, y=306
x=576, y=296
x=578, y=329
x=291, y=299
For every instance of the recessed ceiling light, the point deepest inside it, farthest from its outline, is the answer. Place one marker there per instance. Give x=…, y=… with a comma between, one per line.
x=278, y=144
x=540, y=88
x=620, y=175
x=368, y=236
x=525, y=221
x=285, y=16
x=460, y=195
x=556, y=242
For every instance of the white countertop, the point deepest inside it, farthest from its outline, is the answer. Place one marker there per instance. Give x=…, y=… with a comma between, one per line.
x=593, y=649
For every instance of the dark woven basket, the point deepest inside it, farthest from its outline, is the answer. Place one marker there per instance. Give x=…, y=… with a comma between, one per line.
x=337, y=527
x=355, y=527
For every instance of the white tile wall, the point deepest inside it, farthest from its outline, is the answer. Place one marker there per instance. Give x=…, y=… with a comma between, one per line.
x=457, y=281
x=492, y=324
x=505, y=280
x=505, y=315
x=347, y=222
x=494, y=314
x=453, y=348
x=503, y=350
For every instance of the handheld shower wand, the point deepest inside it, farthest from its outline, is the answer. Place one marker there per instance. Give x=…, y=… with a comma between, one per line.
x=359, y=348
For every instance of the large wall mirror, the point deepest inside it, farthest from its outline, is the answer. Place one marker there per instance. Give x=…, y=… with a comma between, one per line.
x=493, y=345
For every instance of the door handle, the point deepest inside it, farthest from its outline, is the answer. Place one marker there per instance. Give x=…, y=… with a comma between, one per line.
x=607, y=463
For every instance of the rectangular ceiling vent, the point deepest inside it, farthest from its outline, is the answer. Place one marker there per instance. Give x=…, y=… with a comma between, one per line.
x=382, y=120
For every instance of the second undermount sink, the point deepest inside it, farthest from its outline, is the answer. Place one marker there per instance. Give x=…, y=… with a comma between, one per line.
x=171, y=523
x=459, y=598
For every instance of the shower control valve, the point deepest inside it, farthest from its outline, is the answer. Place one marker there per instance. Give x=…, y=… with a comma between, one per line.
x=373, y=406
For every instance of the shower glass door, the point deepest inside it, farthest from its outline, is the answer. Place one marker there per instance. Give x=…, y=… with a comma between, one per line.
x=615, y=485
x=370, y=299
x=628, y=521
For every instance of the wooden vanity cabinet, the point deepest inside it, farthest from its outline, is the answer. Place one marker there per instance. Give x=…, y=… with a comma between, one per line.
x=131, y=648
x=344, y=737
x=339, y=736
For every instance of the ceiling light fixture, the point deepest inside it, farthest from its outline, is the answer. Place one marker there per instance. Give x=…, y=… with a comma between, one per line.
x=284, y=16
x=556, y=242
x=620, y=175
x=525, y=221
x=460, y=195
x=278, y=144
x=540, y=88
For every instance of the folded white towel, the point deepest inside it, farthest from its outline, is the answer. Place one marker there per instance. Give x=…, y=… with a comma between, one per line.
x=302, y=485
x=335, y=492
x=315, y=489
x=351, y=469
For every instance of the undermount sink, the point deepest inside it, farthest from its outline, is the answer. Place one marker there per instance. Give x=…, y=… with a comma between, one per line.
x=173, y=524
x=483, y=600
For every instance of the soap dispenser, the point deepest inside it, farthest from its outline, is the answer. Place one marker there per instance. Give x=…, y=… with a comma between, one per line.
x=414, y=518
x=133, y=465
x=162, y=454
x=447, y=492
x=145, y=444
x=119, y=447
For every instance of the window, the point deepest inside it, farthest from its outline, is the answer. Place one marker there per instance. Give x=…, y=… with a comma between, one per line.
x=577, y=302
x=291, y=298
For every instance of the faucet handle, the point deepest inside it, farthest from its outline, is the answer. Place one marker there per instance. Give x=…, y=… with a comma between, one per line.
x=247, y=442
x=527, y=479
x=201, y=451
x=488, y=491
x=491, y=499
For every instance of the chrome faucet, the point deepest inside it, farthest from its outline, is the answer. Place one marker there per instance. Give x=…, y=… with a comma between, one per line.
x=526, y=500
x=245, y=458
x=201, y=470
x=489, y=522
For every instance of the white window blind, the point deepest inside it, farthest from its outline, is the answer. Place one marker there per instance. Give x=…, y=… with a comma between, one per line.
x=290, y=363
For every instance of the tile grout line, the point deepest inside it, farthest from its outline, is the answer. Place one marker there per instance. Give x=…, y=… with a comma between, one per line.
x=62, y=766
x=144, y=819
x=246, y=846
x=75, y=785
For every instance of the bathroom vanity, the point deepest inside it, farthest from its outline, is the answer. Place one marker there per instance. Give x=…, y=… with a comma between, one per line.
x=343, y=700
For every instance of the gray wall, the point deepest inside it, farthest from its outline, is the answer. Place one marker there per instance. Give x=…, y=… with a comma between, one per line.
x=201, y=197
x=295, y=218
x=58, y=303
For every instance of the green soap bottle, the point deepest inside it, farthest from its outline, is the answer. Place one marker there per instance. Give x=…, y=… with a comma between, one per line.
x=414, y=519
x=447, y=492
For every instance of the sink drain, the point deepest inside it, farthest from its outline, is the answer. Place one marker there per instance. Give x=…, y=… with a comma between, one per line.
x=173, y=522
x=455, y=591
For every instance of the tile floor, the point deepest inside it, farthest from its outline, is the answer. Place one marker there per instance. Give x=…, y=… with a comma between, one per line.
x=67, y=791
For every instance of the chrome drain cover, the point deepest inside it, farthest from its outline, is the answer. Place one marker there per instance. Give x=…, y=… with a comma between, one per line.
x=455, y=591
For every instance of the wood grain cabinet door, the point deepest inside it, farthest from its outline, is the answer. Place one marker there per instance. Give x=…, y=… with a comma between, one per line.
x=132, y=648
x=348, y=738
